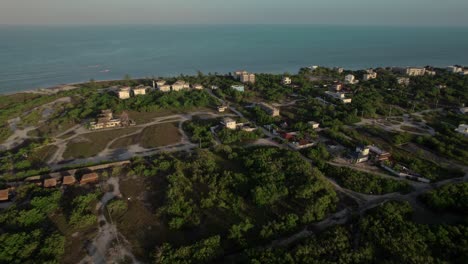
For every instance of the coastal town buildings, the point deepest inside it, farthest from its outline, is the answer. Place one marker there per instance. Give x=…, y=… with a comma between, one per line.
x=411, y=71
x=89, y=178
x=4, y=195
x=245, y=77
x=180, y=85
x=338, y=70
x=125, y=93
x=269, y=109
x=159, y=83
x=286, y=80
x=350, y=79
x=50, y=183
x=462, y=129
x=361, y=154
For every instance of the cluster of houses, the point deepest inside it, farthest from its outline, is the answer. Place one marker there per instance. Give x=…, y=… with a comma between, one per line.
x=161, y=85
x=107, y=120
x=52, y=182
x=337, y=92
x=294, y=139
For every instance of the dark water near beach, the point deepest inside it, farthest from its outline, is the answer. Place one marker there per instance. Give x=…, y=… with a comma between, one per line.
x=37, y=57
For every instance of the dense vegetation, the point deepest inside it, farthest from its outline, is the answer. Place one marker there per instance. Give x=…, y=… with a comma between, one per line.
x=34, y=230
x=385, y=234
x=365, y=182
x=450, y=197
x=243, y=196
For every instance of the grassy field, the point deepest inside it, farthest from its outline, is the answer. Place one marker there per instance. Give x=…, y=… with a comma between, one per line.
x=43, y=154
x=89, y=145
x=152, y=137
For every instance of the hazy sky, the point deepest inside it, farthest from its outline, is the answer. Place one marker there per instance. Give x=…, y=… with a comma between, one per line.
x=366, y=12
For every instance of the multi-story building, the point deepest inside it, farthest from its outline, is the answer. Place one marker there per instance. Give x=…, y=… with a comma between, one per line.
x=105, y=120
x=350, y=79
x=245, y=77
x=413, y=71
x=269, y=109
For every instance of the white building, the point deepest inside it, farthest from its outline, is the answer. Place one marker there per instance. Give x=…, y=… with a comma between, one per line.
x=455, y=69
x=125, y=93
x=337, y=87
x=286, y=80
x=229, y=123
x=350, y=79
x=197, y=87
x=180, y=85
x=314, y=124
x=369, y=76
x=339, y=70
x=462, y=129
x=140, y=90
x=159, y=83
x=413, y=71
x=339, y=96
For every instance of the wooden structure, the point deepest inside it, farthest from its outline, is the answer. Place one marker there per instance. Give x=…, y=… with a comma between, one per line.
x=89, y=178
x=69, y=180
x=4, y=195
x=49, y=183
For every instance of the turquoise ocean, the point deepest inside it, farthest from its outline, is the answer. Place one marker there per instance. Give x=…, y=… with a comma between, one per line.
x=42, y=56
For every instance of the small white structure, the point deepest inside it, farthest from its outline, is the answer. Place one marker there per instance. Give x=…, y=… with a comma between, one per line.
x=350, y=79
x=370, y=75
x=405, y=81
x=286, y=80
x=140, y=90
x=222, y=108
x=197, y=87
x=338, y=70
x=180, y=85
x=463, y=110
x=314, y=124
x=462, y=129
x=229, y=123
x=239, y=88
x=125, y=93
x=214, y=87
x=430, y=72
x=339, y=96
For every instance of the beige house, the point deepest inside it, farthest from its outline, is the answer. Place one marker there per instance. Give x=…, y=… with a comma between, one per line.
x=455, y=69
x=337, y=87
x=413, y=71
x=159, y=83
x=222, y=108
x=140, y=90
x=164, y=88
x=180, y=85
x=125, y=93
x=286, y=80
x=229, y=123
x=271, y=110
